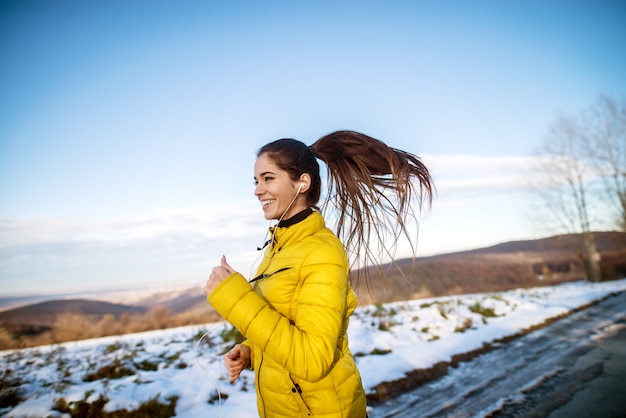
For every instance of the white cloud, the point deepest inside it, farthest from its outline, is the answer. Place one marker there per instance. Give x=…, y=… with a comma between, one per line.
x=208, y=222
x=478, y=174
x=163, y=244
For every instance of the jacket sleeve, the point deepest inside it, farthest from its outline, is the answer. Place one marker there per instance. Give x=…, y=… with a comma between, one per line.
x=306, y=347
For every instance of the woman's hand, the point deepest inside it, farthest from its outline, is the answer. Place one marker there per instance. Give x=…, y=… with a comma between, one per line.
x=218, y=274
x=237, y=359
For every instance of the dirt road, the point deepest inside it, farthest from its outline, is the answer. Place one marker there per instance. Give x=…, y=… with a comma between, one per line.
x=574, y=367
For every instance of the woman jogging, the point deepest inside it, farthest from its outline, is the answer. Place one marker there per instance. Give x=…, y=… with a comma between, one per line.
x=294, y=312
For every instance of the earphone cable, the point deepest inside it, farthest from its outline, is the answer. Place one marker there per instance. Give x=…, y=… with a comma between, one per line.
x=206, y=371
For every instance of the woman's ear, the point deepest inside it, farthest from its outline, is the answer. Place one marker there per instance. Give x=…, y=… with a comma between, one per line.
x=305, y=183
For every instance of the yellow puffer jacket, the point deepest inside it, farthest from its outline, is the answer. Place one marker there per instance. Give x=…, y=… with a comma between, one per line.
x=295, y=317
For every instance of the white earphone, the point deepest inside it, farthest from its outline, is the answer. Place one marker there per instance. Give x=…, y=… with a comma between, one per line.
x=301, y=186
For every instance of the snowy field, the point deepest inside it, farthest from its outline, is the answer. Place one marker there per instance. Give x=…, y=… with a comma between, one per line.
x=181, y=368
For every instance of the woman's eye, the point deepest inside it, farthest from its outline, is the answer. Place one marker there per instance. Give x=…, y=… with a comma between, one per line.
x=264, y=180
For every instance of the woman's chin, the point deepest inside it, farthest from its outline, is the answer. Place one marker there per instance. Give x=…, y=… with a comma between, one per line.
x=269, y=214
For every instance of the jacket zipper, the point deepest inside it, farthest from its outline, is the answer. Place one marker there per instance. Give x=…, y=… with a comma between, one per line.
x=266, y=275
x=297, y=391
x=258, y=379
x=258, y=383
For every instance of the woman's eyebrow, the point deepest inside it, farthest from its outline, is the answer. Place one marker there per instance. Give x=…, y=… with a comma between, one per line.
x=265, y=173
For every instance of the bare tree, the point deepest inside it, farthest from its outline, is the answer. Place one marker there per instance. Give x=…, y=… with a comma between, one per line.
x=582, y=173
x=606, y=131
x=566, y=187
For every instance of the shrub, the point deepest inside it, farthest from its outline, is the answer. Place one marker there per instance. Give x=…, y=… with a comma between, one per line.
x=231, y=335
x=109, y=325
x=10, y=395
x=113, y=348
x=216, y=396
x=152, y=408
x=82, y=408
x=467, y=323
x=72, y=327
x=147, y=365
x=477, y=308
x=379, y=352
x=6, y=339
x=385, y=325
x=114, y=370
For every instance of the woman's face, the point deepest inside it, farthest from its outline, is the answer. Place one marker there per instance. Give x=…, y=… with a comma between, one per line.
x=275, y=190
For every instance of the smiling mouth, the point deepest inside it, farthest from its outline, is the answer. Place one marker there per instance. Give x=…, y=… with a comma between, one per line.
x=265, y=203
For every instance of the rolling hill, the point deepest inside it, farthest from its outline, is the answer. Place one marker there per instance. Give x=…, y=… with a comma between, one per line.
x=510, y=265
x=43, y=313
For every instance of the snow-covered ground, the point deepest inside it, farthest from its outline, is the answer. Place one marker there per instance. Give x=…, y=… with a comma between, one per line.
x=387, y=340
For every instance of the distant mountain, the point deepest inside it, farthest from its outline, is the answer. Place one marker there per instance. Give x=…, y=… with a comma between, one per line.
x=516, y=264
x=45, y=313
x=605, y=241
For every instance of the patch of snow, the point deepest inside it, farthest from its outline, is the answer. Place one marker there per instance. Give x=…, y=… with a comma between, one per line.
x=387, y=340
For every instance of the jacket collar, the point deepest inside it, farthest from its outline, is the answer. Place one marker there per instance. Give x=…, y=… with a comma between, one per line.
x=307, y=222
x=298, y=217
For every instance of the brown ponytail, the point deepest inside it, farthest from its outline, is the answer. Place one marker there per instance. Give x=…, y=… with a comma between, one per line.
x=373, y=187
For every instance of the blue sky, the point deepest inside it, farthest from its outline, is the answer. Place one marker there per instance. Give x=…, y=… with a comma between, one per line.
x=128, y=130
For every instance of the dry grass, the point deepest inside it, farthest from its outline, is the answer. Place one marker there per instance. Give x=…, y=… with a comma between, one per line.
x=152, y=408
x=73, y=327
x=480, y=273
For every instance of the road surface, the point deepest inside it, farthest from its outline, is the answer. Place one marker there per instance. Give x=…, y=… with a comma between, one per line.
x=574, y=367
